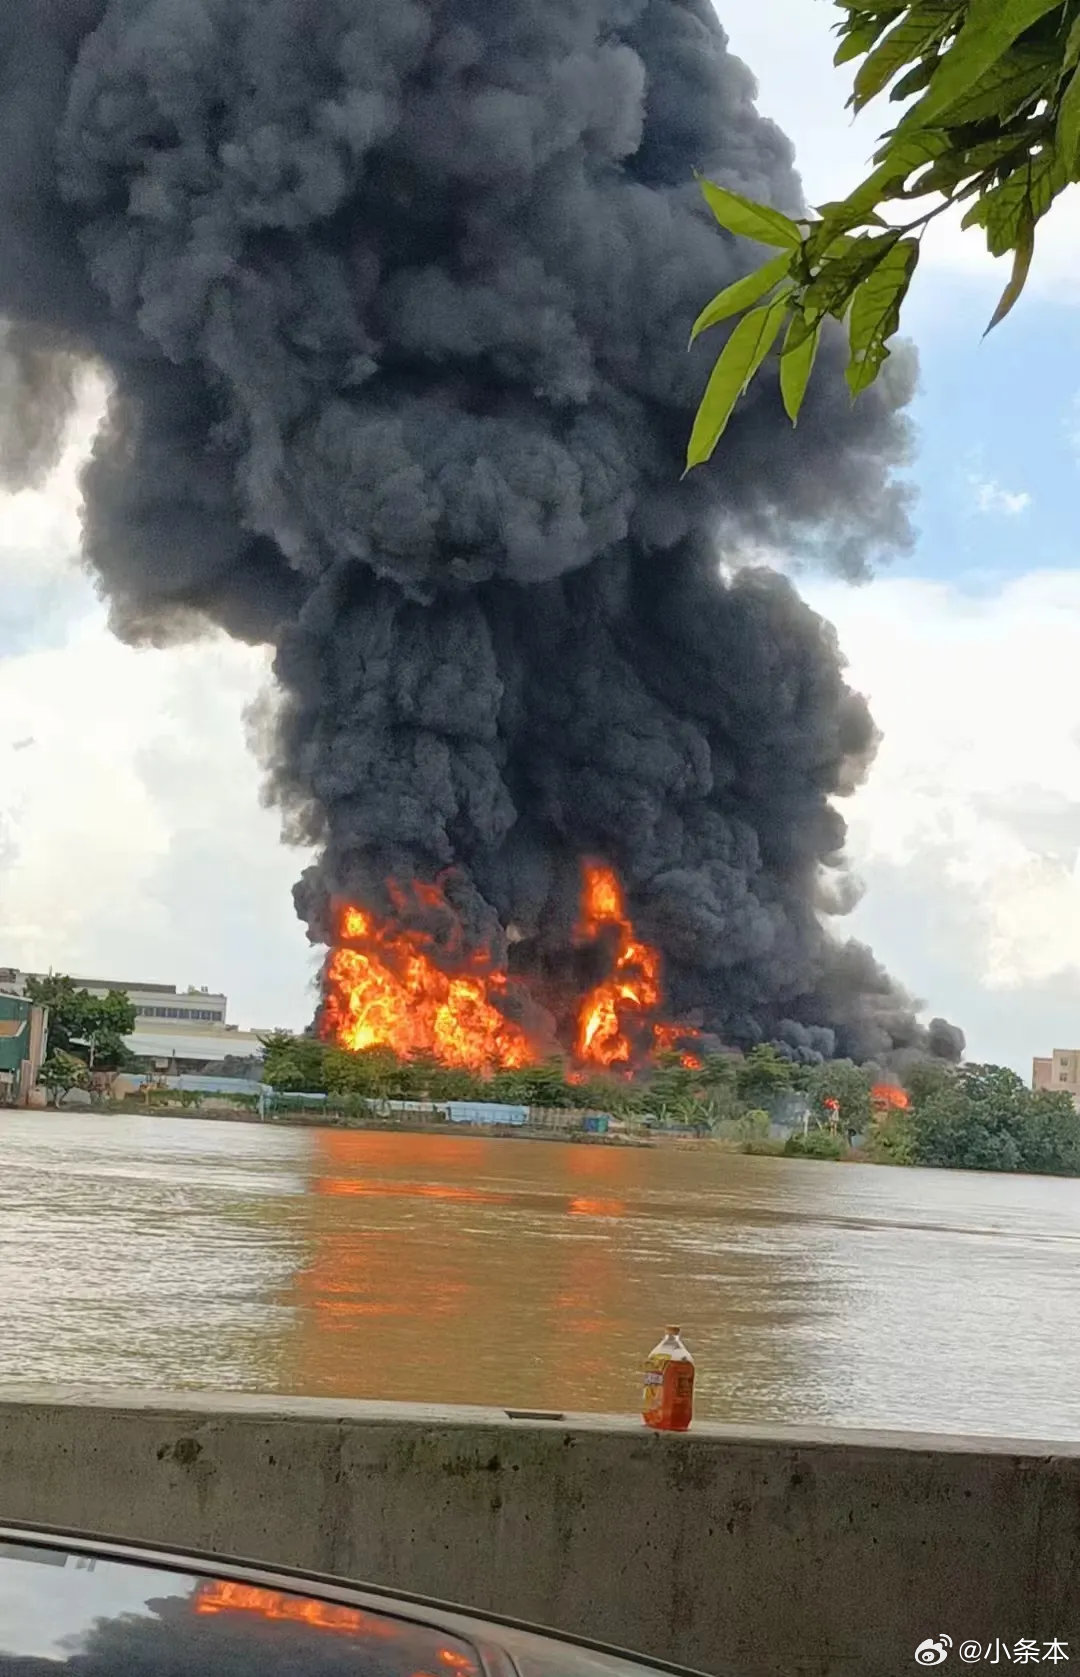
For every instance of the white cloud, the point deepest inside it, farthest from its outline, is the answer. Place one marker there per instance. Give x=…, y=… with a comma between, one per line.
x=132, y=840
x=39, y=528
x=967, y=833
x=1072, y=426
x=990, y=497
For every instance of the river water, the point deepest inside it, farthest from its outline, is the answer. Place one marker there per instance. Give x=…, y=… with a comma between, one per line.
x=190, y=1253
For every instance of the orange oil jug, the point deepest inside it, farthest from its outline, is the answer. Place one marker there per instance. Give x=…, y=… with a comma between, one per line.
x=667, y=1401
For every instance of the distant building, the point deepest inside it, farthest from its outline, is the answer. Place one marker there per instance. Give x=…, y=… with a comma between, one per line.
x=169, y=1051
x=1060, y=1071
x=178, y=1033
x=150, y=1001
x=23, y=1046
x=484, y=1112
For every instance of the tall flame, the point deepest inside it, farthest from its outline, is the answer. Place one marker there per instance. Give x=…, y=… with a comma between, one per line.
x=385, y=990
x=633, y=989
x=388, y=987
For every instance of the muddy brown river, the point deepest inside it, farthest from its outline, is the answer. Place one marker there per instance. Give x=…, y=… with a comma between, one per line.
x=187, y=1253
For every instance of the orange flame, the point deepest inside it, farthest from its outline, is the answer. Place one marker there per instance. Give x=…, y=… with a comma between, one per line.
x=385, y=990
x=225, y=1595
x=632, y=991
x=609, y=1013
x=668, y=1037
x=887, y=1094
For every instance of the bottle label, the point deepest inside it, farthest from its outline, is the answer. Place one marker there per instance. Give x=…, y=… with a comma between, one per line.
x=667, y=1398
x=653, y=1395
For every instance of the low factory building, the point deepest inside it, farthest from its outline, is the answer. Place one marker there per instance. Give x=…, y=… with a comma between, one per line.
x=164, y=1002
x=176, y=1053
x=23, y=1047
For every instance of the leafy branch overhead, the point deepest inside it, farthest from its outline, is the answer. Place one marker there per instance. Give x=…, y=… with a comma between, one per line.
x=991, y=90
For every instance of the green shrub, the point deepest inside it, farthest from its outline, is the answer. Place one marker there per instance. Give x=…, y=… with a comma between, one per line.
x=816, y=1144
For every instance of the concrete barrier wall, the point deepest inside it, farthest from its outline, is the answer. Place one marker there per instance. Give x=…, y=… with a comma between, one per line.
x=735, y=1550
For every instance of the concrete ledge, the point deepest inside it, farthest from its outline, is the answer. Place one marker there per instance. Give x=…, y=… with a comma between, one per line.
x=734, y=1549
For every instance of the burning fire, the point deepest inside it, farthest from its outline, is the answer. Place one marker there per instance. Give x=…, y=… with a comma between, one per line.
x=387, y=987
x=385, y=990
x=614, y=1012
x=668, y=1038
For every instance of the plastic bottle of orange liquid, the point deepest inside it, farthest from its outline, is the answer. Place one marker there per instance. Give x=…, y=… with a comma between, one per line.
x=667, y=1402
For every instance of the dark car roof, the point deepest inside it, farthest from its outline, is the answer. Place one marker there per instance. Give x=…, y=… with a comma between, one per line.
x=137, y=1612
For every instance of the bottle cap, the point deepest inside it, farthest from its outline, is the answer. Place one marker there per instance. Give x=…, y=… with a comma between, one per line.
x=673, y=1330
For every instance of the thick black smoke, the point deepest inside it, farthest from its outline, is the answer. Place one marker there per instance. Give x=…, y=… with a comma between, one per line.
x=395, y=296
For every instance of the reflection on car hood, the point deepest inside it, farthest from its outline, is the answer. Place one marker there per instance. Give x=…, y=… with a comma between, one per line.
x=73, y=1607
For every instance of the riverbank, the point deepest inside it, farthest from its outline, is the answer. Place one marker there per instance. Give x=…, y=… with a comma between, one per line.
x=320, y=1119
x=777, y=1147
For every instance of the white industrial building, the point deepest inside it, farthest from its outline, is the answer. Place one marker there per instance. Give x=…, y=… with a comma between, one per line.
x=172, y=1052
x=177, y=1032
x=156, y=1002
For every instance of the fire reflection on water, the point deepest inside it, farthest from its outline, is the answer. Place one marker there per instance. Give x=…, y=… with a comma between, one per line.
x=423, y=1273
x=158, y=1252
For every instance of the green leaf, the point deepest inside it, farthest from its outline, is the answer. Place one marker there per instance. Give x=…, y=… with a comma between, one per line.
x=900, y=158
x=917, y=31
x=1068, y=128
x=1011, y=82
x=752, y=221
x=859, y=36
x=1025, y=250
x=989, y=31
x=734, y=298
x=875, y=313
x=876, y=308
x=839, y=216
x=861, y=373
x=916, y=79
x=905, y=151
x=961, y=164
x=743, y=354
x=1029, y=191
x=1072, y=48
x=835, y=285
x=797, y=362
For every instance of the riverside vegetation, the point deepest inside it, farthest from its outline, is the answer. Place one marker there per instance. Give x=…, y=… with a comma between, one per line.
x=972, y=1117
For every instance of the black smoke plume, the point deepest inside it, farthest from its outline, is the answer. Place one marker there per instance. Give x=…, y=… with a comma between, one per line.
x=394, y=297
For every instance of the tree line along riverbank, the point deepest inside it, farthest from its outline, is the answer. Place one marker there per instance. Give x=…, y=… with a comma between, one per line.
x=974, y=1117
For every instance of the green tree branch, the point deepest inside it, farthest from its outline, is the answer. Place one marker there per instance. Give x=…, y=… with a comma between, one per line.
x=992, y=93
